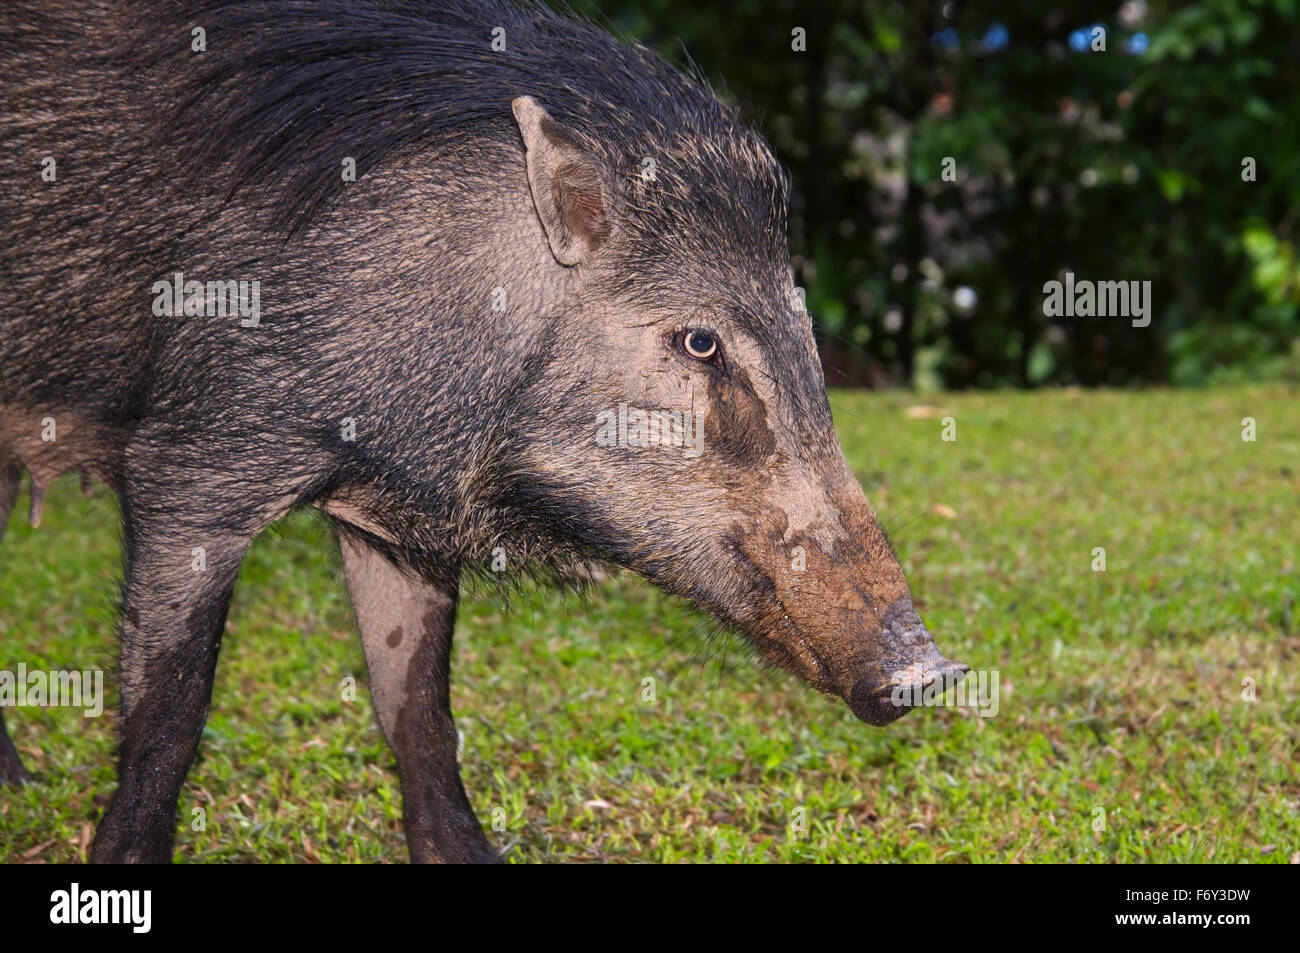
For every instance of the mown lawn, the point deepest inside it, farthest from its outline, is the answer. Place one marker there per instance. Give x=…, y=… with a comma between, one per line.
x=1121, y=691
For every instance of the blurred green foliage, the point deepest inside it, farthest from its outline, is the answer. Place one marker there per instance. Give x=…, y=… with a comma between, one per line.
x=1171, y=155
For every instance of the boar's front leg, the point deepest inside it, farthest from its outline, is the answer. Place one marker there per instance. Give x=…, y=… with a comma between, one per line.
x=406, y=624
x=178, y=584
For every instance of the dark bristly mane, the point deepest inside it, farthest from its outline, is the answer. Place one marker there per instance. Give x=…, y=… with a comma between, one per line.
x=285, y=89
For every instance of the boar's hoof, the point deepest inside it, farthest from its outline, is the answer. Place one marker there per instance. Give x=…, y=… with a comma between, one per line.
x=13, y=774
x=12, y=771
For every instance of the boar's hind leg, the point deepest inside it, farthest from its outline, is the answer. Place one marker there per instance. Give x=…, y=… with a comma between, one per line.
x=11, y=768
x=406, y=625
x=11, y=471
x=11, y=474
x=179, y=578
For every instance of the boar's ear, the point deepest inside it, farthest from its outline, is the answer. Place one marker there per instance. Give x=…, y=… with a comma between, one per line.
x=567, y=189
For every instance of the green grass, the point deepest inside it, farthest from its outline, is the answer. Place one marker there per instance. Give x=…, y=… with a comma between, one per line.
x=1121, y=691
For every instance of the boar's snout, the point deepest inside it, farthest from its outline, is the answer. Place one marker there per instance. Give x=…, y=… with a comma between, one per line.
x=910, y=664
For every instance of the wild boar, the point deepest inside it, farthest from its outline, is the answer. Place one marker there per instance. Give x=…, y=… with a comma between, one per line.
x=401, y=261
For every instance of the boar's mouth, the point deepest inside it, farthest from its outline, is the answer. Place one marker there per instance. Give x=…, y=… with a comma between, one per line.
x=913, y=664
x=878, y=703
x=881, y=690
x=883, y=664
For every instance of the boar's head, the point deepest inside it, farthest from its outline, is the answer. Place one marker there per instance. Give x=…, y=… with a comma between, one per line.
x=681, y=300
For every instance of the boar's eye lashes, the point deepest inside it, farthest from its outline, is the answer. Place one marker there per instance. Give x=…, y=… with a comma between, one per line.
x=699, y=343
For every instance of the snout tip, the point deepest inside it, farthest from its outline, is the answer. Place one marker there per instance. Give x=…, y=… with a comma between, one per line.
x=879, y=703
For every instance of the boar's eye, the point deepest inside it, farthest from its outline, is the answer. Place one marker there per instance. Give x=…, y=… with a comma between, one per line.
x=700, y=344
